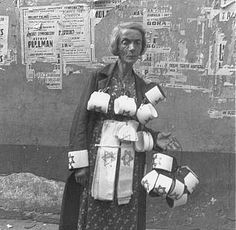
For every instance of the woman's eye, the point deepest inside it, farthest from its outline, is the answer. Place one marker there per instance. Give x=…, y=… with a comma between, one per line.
x=125, y=42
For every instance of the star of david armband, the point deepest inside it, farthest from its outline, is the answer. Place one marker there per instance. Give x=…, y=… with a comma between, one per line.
x=164, y=162
x=78, y=159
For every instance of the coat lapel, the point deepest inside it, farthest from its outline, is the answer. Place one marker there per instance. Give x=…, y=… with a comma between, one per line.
x=140, y=89
x=104, y=76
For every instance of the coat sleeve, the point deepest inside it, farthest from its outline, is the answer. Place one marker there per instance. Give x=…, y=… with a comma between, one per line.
x=78, y=143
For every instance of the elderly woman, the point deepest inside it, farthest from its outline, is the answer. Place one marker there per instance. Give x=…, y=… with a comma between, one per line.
x=104, y=189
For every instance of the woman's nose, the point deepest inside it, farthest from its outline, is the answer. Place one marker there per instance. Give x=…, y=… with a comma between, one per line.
x=131, y=46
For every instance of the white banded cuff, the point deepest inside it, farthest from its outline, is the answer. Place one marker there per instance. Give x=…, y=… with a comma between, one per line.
x=145, y=142
x=78, y=159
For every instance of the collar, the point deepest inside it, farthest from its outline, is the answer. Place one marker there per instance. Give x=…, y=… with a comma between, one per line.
x=108, y=69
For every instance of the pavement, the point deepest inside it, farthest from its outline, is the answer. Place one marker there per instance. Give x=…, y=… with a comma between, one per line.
x=10, y=224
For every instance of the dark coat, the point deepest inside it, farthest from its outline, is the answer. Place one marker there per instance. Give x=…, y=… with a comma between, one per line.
x=80, y=136
x=83, y=121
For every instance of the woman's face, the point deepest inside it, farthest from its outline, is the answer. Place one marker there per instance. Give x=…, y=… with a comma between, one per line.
x=130, y=45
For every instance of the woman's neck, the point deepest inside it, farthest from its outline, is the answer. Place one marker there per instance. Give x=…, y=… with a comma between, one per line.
x=125, y=69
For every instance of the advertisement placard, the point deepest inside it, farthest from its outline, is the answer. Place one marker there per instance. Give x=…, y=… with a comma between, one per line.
x=4, y=25
x=48, y=30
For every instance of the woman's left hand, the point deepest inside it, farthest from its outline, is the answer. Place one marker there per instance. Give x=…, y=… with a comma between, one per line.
x=166, y=142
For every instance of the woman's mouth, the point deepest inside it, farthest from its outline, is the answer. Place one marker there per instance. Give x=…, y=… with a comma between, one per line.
x=131, y=56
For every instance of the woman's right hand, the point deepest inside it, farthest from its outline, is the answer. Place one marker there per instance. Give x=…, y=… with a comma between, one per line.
x=82, y=175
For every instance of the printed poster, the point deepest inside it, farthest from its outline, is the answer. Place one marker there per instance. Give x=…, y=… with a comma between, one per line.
x=4, y=25
x=74, y=34
x=46, y=31
x=106, y=3
x=157, y=18
x=52, y=79
x=182, y=65
x=57, y=35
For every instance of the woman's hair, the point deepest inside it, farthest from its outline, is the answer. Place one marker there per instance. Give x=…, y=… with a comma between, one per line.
x=115, y=36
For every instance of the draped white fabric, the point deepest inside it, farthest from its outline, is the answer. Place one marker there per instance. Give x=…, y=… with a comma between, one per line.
x=115, y=135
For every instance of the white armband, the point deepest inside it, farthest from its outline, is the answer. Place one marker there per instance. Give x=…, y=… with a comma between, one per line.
x=144, y=143
x=78, y=159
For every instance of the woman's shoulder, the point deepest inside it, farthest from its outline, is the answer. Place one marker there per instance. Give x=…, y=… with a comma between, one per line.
x=101, y=75
x=143, y=79
x=145, y=82
x=105, y=70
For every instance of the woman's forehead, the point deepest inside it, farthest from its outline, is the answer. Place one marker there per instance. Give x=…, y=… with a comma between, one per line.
x=130, y=34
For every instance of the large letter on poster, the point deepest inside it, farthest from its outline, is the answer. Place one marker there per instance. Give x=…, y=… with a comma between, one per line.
x=4, y=20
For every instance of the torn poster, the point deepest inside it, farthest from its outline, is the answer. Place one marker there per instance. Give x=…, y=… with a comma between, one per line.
x=4, y=25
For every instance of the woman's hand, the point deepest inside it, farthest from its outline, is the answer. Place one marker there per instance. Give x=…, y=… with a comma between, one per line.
x=166, y=142
x=82, y=175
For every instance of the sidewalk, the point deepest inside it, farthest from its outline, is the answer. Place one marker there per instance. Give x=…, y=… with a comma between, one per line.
x=8, y=224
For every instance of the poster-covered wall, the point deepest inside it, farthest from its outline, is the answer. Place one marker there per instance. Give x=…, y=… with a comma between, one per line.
x=48, y=49
x=54, y=34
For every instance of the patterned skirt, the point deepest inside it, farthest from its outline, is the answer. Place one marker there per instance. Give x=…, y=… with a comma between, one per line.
x=108, y=215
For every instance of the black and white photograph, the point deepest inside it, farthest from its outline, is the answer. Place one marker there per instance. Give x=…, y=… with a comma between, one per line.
x=117, y=114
